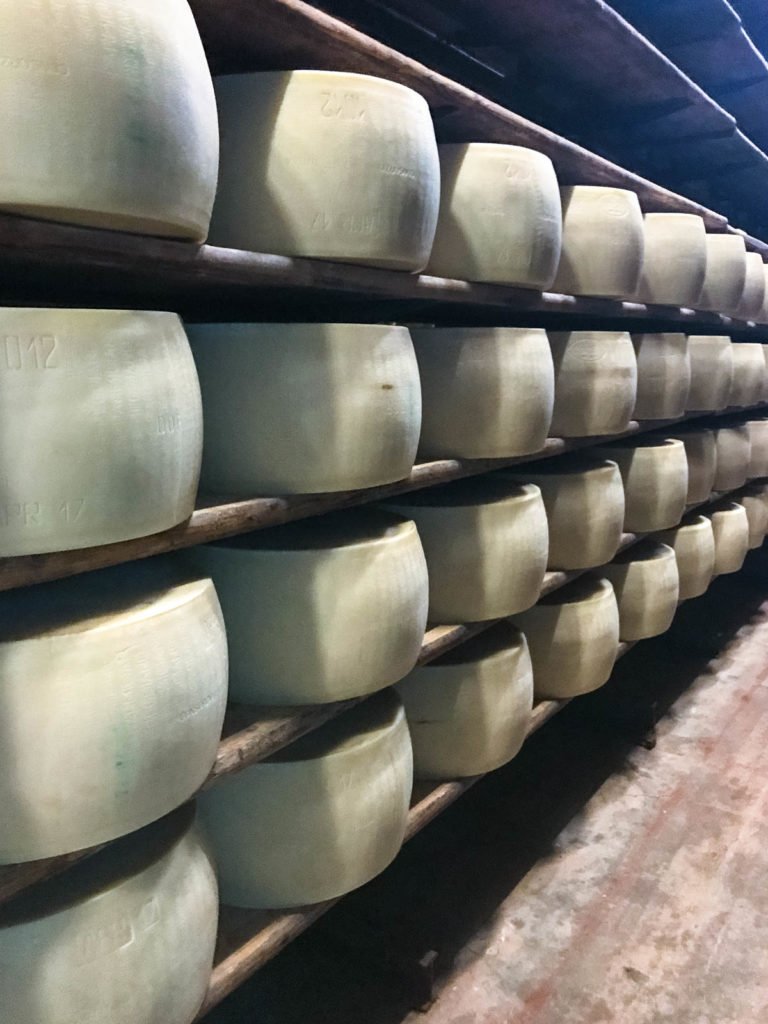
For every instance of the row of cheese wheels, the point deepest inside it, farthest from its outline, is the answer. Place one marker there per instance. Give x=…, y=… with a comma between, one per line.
x=307, y=613
x=129, y=934
x=104, y=429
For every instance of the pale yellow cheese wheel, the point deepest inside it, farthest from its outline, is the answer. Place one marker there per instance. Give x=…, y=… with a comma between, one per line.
x=584, y=499
x=486, y=544
x=711, y=358
x=469, y=710
x=101, y=427
x=595, y=382
x=753, y=500
x=758, y=448
x=647, y=587
x=113, y=692
x=753, y=295
x=674, y=260
x=602, y=251
x=663, y=376
x=730, y=527
x=762, y=316
x=125, y=937
x=500, y=216
x=693, y=542
x=327, y=164
x=573, y=637
x=749, y=374
x=318, y=819
x=701, y=453
x=322, y=610
x=726, y=273
x=108, y=115
x=487, y=392
x=655, y=475
x=733, y=455
x=306, y=408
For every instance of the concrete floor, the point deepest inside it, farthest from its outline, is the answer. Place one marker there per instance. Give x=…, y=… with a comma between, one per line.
x=616, y=871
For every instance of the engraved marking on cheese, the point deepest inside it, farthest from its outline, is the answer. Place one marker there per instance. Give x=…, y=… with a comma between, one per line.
x=346, y=106
x=32, y=352
x=33, y=65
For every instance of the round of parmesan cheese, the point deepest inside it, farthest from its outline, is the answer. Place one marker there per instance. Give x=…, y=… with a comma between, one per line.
x=730, y=527
x=112, y=703
x=101, y=427
x=306, y=408
x=126, y=936
x=726, y=273
x=602, y=250
x=758, y=448
x=762, y=315
x=663, y=375
x=701, y=453
x=694, y=545
x=573, y=637
x=595, y=382
x=655, y=475
x=711, y=359
x=675, y=260
x=756, y=508
x=749, y=374
x=109, y=116
x=584, y=499
x=469, y=710
x=326, y=164
x=486, y=547
x=319, y=818
x=321, y=610
x=500, y=217
x=754, y=288
x=733, y=456
x=487, y=392
x=646, y=583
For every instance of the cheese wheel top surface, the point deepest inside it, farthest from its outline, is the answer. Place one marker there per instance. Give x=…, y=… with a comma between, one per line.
x=674, y=259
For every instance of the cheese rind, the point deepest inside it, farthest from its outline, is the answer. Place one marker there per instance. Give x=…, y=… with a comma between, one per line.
x=326, y=164
x=694, y=545
x=113, y=697
x=573, y=637
x=320, y=818
x=595, y=382
x=655, y=476
x=663, y=375
x=674, y=260
x=127, y=936
x=323, y=610
x=701, y=453
x=101, y=427
x=500, y=216
x=647, y=587
x=109, y=116
x=733, y=455
x=306, y=408
x=753, y=295
x=730, y=527
x=749, y=374
x=758, y=448
x=487, y=392
x=711, y=359
x=726, y=273
x=755, y=506
x=469, y=710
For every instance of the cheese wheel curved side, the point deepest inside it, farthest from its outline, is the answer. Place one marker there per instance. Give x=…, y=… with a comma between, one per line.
x=674, y=260
x=711, y=358
x=663, y=376
x=647, y=587
x=730, y=527
x=655, y=475
x=595, y=382
x=693, y=542
x=733, y=454
x=725, y=275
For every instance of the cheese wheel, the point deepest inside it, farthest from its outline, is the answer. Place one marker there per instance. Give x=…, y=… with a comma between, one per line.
x=595, y=382
x=112, y=702
x=757, y=515
x=306, y=408
x=674, y=261
x=730, y=527
x=326, y=164
x=726, y=273
x=655, y=476
x=765, y=357
x=584, y=499
x=318, y=819
x=758, y=448
x=749, y=374
x=701, y=454
x=500, y=217
x=753, y=294
x=322, y=610
x=573, y=637
x=762, y=316
x=109, y=116
x=694, y=545
x=602, y=251
x=487, y=392
x=127, y=936
x=711, y=359
x=647, y=587
x=663, y=376
x=469, y=710
x=486, y=547
x=733, y=455
x=101, y=427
